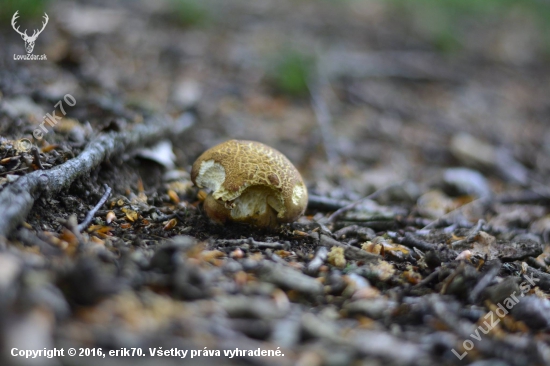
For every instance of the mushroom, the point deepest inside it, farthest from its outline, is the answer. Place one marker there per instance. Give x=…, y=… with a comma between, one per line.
x=251, y=183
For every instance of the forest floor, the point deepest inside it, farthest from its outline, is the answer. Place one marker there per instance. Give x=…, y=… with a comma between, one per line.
x=442, y=127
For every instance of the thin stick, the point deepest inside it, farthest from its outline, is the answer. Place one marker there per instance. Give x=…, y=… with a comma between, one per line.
x=352, y=205
x=252, y=242
x=14, y=171
x=482, y=200
x=318, y=260
x=36, y=156
x=322, y=203
x=90, y=216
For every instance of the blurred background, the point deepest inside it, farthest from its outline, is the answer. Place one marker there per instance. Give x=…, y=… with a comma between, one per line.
x=381, y=90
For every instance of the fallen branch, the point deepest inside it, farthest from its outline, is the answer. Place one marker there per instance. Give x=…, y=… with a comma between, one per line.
x=485, y=281
x=354, y=204
x=541, y=278
x=413, y=241
x=528, y=197
x=322, y=203
x=17, y=199
x=252, y=242
x=350, y=251
x=317, y=261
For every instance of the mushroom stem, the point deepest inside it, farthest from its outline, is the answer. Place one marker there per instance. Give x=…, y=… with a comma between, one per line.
x=251, y=207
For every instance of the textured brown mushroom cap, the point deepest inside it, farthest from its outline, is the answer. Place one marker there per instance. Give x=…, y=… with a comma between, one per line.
x=234, y=166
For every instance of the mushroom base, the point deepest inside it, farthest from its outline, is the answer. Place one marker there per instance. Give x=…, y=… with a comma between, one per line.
x=251, y=207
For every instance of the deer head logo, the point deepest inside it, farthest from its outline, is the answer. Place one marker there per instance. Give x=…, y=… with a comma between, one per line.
x=29, y=40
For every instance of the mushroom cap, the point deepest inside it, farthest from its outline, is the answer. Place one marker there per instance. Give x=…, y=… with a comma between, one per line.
x=248, y=177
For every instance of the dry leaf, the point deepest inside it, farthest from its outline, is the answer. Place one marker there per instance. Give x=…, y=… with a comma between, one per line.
x=170, y=224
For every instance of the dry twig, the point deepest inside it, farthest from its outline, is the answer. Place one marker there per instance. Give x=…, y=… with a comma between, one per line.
x=90, y=216
x=354, y=204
